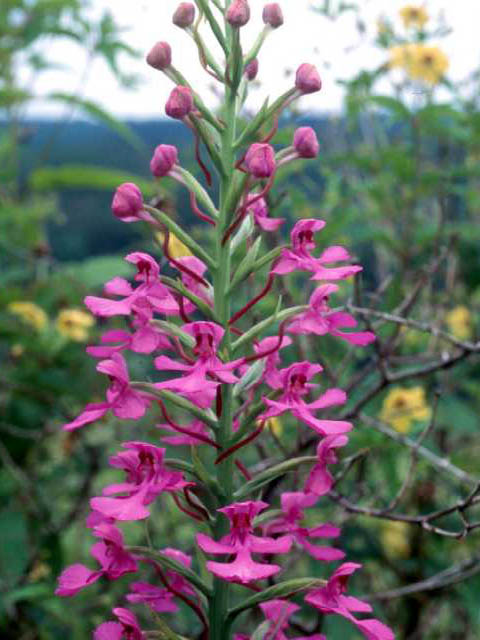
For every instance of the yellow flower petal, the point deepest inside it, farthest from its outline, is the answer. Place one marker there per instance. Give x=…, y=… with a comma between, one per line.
x=30, y=313
x=421, y=62
x=402, y=407
x=74, y=324
x=175, y=246
x=413, y=16
x=395, y=540
x=459, y=322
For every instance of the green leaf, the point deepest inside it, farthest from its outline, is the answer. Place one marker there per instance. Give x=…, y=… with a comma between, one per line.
x=75, y=176
x=280, y=590
x=397, y=107
x=278, y=316
x=93, y=273
x=14, y=550
x=31, y=592
x=173, y=330
x=95, y=111
x=182, y=403
x=177, y=285
x=274, y=472
x=173, y=565
x=246, y=265
x=182, y=235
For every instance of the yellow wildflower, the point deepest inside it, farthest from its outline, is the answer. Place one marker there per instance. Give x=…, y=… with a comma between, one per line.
x=413, y=16
x=394, y=537
x=30, y=313
x=403, y=406
x=421, y=62
x=74, y=324
x=175, y=246
x=459, y=321
x=429, y=64
x=40, y=571
x=400, y=55
x=17, y=350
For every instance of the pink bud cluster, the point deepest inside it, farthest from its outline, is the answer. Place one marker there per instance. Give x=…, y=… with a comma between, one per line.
x=181, y=331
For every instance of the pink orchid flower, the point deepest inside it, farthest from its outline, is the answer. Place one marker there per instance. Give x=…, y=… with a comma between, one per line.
x=299, y=258
x=147, y=477
x=194, y=384
x=197, y=288
x=123, y=401
x=194, y=427
x=272, y=375
x=178, y=582
x=126, y=629
x=109, y=553
x=320, y=480
x=241, y=543
x=331, y=600
x=320, y=319
x=295, y=387
x=293, y=505
x=159, y=599
x=259, y=210
x=150, y=296
x=278, y=612
x=145, y=339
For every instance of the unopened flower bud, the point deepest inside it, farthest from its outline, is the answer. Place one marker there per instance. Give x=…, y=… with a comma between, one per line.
x=184, y=15
x=127, y=202
x=180, y=103
x=238, y=13
x=160, y=57
x=272, y=15
x=251, y=69
x=260, y=160
x=163, y=160
x=308, y=79
x=306, y=143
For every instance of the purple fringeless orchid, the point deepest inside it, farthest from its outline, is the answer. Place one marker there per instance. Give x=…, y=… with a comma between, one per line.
x=127, y=627
x=123, y=401
x=319, y=319
x=215, y=372
x=241, y=543
x=299, y=257
x=109, y=553
x=293, y=508
x=147, y=477
x=295, y=385
x=193, y=383
x=331, y=600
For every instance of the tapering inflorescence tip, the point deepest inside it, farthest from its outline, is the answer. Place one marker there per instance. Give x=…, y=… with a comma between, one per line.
x=306, y=143
x=238, y=14
x=184, y=15
x=272, y=15
x=127, y=202
x=163, y=160
x=179, y=103
x=308, y=79
x=160, y=56
x=260, y=160
x=251, y=69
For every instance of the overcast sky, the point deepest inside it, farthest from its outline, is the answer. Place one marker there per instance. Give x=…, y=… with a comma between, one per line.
x=304, y=37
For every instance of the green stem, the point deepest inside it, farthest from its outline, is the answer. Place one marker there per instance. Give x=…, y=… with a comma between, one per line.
x=219, y=602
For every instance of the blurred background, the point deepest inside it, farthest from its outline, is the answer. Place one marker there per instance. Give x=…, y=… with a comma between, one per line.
x=397, y=181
